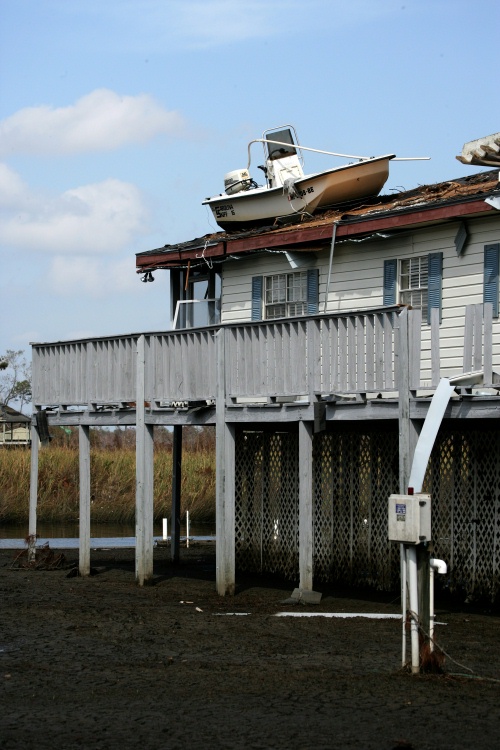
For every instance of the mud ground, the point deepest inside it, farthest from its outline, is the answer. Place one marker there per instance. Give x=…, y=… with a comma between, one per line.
x=102, y=663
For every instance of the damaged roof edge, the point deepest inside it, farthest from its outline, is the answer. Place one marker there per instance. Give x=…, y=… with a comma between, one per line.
x=447, y=201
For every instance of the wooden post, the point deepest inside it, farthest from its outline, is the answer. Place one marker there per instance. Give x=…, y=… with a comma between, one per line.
x=487, y=343
x=176, y=493
x=35, y=447
x=424, y=579
x=225, y=482
x=144, y=477
x=435, y=359
x=408, y=436
x=305, y=507
x=84, y=466
x=408, y=430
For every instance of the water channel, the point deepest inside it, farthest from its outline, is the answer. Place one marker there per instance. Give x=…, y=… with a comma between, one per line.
x=102, y=535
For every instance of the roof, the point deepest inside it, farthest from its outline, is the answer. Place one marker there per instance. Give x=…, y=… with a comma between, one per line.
x=8, y=414
x=452, y=200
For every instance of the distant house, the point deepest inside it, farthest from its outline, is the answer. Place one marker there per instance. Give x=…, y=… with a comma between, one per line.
x=313, y=347
x=14, y=427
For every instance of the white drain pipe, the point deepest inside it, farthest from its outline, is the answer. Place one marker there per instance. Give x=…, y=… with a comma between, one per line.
x=421, y=457
x=402, y=558
x=165, y=529
x=428, y=434
x=435, y=566
x=187, y=528
x=411, y=562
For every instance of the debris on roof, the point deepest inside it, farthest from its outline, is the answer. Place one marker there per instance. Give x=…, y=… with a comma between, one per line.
x=483, y=152
x=423, y=197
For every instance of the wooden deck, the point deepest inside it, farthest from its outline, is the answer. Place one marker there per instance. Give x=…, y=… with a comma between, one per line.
x=307, y=371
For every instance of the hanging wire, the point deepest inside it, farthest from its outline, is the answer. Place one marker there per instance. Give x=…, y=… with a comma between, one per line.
x=208, y=261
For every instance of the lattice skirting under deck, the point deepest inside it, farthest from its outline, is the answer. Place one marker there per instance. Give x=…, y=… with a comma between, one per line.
x=355, y=471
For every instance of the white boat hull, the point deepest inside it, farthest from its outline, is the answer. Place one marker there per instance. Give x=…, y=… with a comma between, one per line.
x=262, y=206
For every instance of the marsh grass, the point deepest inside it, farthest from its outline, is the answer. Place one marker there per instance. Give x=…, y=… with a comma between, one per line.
x=112, y=474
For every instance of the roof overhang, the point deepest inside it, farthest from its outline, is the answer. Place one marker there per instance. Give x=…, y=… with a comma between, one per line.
x=378, y=220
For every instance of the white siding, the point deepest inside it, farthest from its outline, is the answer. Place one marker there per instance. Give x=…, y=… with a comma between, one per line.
x=357, y=281
x=237, y=282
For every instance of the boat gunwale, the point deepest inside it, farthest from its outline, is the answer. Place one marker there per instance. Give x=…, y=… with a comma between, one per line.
x=264, y=190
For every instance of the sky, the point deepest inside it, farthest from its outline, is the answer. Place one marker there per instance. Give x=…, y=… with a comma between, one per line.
x=119, y=117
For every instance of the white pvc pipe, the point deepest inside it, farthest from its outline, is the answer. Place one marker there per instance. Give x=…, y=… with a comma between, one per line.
x=431, y=608
x=411, y=559
x=165, y=529
x=341, y=615
x=429, y=432
x=439, y=566
x=187, y=528
x=403, y=601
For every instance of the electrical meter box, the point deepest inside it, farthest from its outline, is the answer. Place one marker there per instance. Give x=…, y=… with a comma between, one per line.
x=410, y=518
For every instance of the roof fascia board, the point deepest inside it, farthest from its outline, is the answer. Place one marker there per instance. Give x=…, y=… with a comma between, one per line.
x=347, y=228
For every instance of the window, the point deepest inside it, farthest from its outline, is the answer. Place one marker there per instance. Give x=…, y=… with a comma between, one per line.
x=416, y=282
x=285, y=295
x=413, y=282
x=195, y=297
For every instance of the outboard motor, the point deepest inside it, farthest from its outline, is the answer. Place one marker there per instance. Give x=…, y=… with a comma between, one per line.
x=237, y=180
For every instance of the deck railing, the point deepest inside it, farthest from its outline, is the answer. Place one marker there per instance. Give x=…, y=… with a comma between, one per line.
x=296, y=357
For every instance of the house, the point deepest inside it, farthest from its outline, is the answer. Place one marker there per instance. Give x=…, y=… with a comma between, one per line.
x=14, y=427
x=314, y=348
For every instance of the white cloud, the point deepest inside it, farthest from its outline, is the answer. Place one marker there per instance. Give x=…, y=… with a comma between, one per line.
x=101, y=120
x=101, y=218
x=224, y=21
x=162, y=24
x=93, y=277
x=211, y=23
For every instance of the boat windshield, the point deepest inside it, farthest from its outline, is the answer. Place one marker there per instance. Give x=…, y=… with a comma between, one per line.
x=279, y=152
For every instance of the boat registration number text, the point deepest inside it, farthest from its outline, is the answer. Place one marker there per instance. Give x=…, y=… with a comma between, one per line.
x=222, y=211
x=306, y=192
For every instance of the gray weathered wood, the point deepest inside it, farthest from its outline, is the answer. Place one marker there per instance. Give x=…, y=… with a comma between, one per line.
x=305, y=506
x=84, y=471
x=468, y=338
x=225, y=482
x=415, y=338
x=266, y=359
x=144, y=477
x=370, y=353
x=488, y=343
x=435, y=349
x=176, y=493
x=407, y=431
x=388, y=351
x=379, y=352
x=478, y=338
x=35, y=447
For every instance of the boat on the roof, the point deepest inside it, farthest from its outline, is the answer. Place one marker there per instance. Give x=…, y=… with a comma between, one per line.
x=288, y=191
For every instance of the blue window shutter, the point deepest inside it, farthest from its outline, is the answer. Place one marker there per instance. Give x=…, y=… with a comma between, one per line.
x=390, y=274
x=491, y=265
x=435, y=283
x=312, y=291
x=257, y=287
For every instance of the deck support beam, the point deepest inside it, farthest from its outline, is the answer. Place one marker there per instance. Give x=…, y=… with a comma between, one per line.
x=176, y=492
x=305, y=506
x=84, y=469
x=225, y=482
x=144, y=477
x=408, y=437
x=35, y=447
